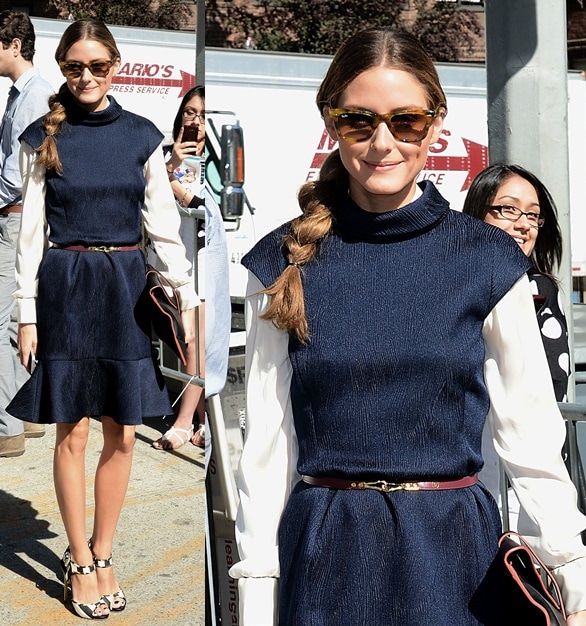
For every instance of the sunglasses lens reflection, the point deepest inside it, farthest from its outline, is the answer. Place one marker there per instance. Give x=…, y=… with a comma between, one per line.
x=360, y=125
x=99, y=69
x=355, y=126
x=410, y=126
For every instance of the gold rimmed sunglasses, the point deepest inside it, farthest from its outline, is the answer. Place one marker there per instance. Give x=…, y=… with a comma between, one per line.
x=354, y=125
x=98, y=68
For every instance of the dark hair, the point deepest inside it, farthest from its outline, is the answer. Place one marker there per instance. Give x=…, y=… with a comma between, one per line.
x=547, y=253
x=371, y=47
x=59, y=102
x=15, y=25
x=86, y=29
x=198, y=90
x=378, y=47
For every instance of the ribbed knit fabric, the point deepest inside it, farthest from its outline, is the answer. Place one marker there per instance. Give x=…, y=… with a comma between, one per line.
x=94, y=349
x=391, y=386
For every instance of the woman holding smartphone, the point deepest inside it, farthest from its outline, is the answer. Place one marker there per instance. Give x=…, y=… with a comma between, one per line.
x=189, y=141
x=92, y=174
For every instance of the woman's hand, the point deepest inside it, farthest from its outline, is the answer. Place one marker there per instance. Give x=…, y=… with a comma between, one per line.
x=27, y=342
x=577, y=619
x=188, y=320
x=182, y=150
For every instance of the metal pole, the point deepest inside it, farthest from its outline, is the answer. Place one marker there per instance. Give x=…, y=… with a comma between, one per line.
x=200, y=42
x=527, y=88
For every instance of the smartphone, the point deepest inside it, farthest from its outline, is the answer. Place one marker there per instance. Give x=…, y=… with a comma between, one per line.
x=190, y=133
x=32, y=362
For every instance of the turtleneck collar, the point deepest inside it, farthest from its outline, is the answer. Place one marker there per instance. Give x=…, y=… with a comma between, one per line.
x=356, y=224
x=79, y=115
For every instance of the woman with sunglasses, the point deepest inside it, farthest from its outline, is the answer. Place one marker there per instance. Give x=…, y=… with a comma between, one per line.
x=371, y=320
x=190, y=115
x=92, y=173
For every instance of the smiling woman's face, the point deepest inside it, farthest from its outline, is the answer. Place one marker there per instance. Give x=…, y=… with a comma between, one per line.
x=520, y=193
x=383, y=171
x=90, y=91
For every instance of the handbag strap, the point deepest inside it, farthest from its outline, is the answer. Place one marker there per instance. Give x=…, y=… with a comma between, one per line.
x=530, y=550
x=522, y=541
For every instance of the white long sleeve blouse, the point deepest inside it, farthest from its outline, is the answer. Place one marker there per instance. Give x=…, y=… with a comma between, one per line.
x=526, y=425
x=161, y=221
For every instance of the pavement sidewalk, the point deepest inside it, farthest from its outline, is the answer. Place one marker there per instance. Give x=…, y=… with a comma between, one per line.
x=159, y=547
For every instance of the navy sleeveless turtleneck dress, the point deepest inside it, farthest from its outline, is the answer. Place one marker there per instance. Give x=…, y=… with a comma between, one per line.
x=390, y=386
x=94, y=347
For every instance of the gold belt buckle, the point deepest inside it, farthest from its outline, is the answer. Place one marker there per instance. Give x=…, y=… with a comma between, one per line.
x=102, y=248
x=386, y=487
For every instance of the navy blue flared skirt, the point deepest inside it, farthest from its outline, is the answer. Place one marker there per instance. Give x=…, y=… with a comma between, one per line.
x=94, y=347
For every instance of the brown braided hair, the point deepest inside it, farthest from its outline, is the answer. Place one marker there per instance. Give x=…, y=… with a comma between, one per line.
x=62, y=100
x=372, y=47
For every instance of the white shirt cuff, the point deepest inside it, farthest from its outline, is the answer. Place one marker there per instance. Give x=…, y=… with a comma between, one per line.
x=258, y=601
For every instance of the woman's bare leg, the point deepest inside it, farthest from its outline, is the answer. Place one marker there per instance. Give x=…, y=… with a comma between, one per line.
x=111, y=483
x=192, y=399
x=70, y=488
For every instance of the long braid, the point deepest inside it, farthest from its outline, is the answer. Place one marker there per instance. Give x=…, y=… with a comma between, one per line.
x=52, y=122
x=286, y=308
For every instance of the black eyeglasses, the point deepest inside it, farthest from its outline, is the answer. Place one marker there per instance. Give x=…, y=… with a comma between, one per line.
x=190, y=114
x=74, y=69
x=359, y=125
x=512, y=213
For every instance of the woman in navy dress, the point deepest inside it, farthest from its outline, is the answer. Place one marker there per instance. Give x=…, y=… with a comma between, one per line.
x=384, y=329
x=92, y=173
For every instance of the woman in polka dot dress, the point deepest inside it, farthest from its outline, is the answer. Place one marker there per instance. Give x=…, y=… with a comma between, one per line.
x=516, y=201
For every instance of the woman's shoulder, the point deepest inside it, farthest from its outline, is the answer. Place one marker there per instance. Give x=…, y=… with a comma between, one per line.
x=33, y=134
x=141, y=123
x=267, y=258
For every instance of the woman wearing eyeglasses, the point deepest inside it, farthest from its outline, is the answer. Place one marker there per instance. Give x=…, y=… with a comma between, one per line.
x=372, y=318
x=92, y=172
x=516, y=201
x=190, y=118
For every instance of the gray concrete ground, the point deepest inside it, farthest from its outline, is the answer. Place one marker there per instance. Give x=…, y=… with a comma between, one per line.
x=159, y=548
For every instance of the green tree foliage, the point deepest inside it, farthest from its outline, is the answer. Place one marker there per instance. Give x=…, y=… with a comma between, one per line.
x=167, y=14
x=320, y=26
x=444, y=30
x=315, y=26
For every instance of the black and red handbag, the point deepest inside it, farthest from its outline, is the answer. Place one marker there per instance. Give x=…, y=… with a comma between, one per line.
x=533, y=595
x=165, y=312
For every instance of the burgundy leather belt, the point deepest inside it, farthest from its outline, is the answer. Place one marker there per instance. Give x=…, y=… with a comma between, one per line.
x=11, y=208
x=383, y=485
x=97, y=248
